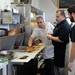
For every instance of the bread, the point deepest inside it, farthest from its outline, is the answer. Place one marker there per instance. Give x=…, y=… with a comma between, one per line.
x=29, y=49
x=13, y=32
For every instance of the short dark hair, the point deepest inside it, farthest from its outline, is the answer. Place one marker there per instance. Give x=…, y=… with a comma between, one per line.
x=61, y=12
x=38, y=17
x=71, y=9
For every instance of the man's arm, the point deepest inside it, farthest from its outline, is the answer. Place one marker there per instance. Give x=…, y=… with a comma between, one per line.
x=72, y=55
x=30, y=41
x=56, y=39
x=33, y=35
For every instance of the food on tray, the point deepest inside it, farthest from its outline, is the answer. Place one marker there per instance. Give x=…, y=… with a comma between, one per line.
x=13, y=32
x=24, y=57
x=30, y=49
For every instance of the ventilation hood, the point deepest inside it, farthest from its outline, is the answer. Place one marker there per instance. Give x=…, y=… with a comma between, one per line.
x=23, y=1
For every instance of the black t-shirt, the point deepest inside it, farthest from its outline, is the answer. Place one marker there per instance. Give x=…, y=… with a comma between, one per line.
x=72, y=34
x=62, y=30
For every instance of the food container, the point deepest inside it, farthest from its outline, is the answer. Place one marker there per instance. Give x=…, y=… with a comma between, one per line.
x=7, y=54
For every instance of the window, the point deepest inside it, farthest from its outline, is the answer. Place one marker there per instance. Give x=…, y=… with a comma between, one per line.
x=66, y=3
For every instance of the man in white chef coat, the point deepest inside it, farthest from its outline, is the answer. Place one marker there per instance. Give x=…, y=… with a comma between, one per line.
x=41, y=33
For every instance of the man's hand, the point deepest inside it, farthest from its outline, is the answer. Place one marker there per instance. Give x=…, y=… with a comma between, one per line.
x=54, y=38
x=70, y=65
x=48, y=35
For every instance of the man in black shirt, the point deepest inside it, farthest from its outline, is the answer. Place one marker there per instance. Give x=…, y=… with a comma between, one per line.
x=71, y=12
x=60, y=39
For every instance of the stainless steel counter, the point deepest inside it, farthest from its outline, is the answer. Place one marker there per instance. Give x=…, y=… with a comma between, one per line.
x=27, y=56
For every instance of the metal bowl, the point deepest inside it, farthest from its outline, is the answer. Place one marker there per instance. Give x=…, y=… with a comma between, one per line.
x=8, y=54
